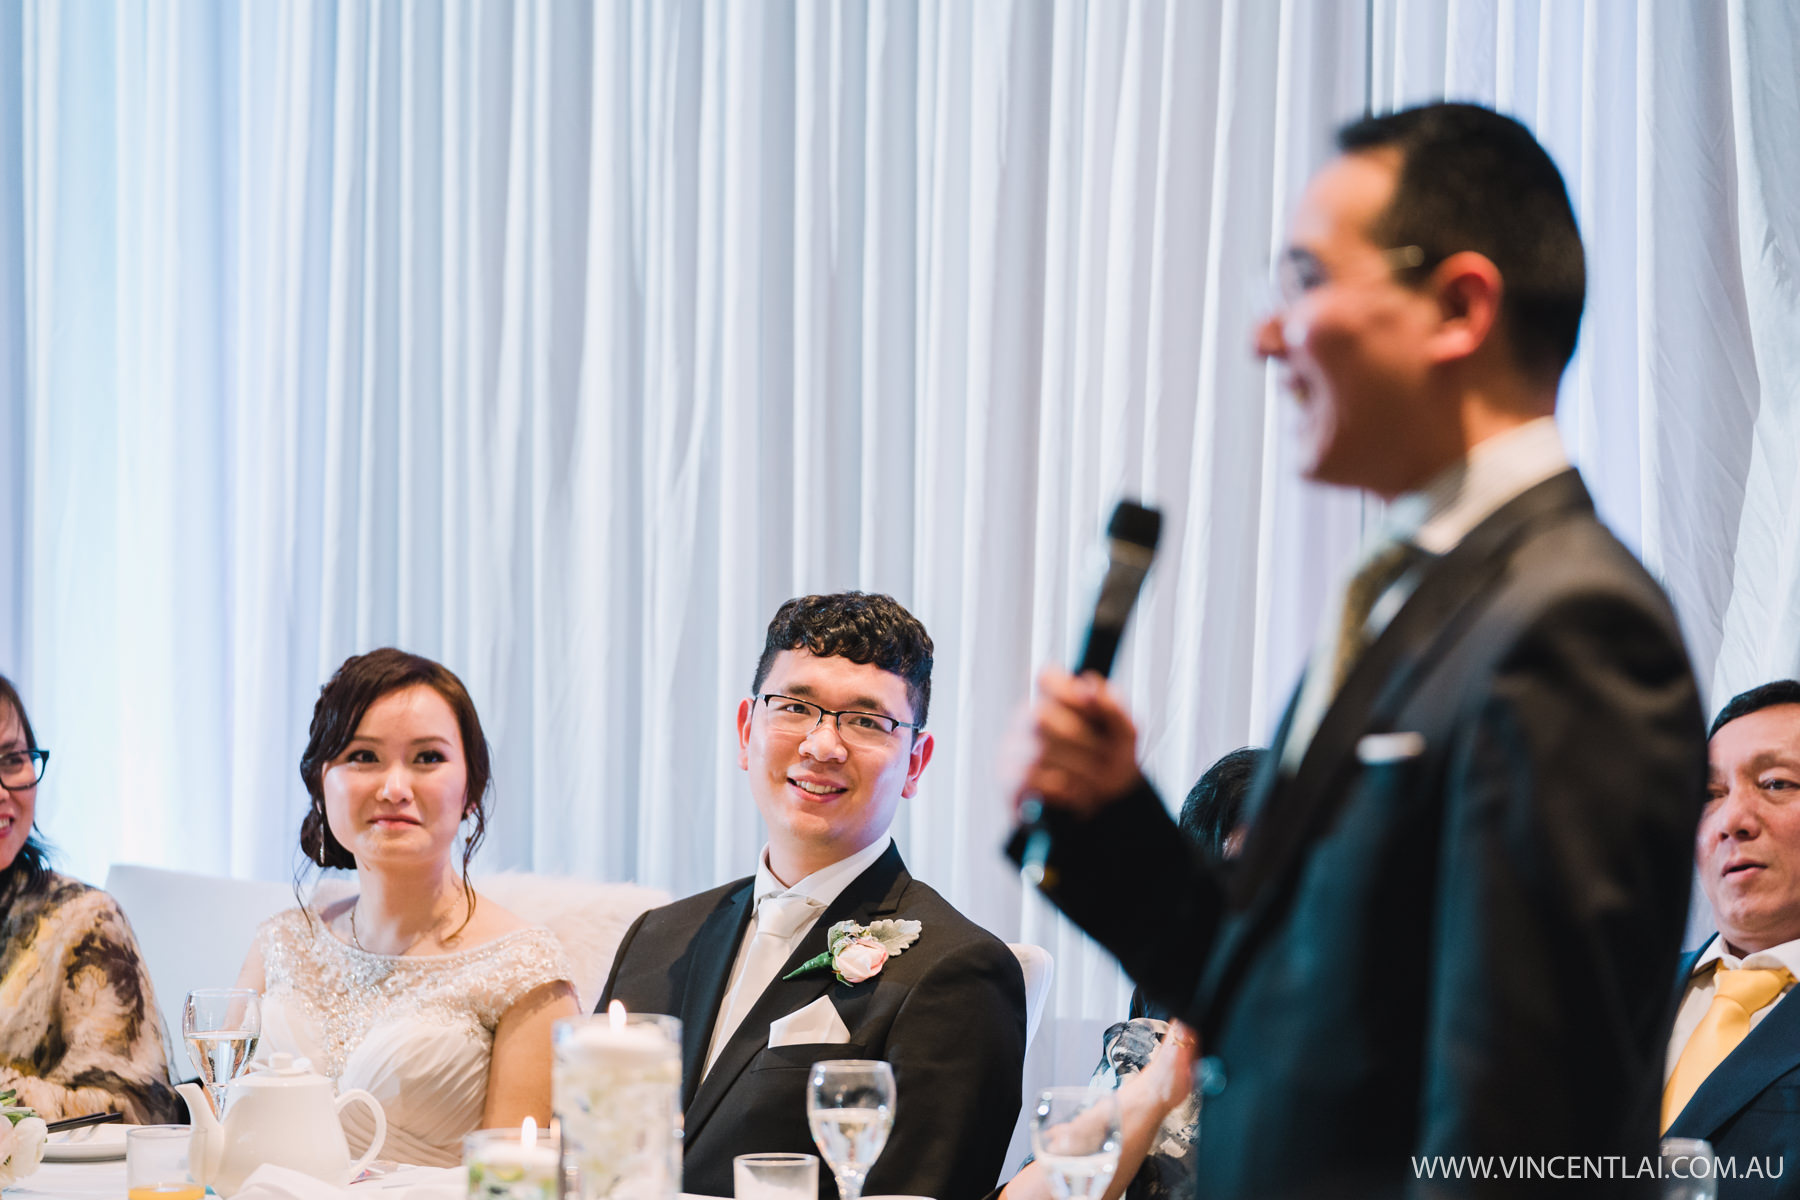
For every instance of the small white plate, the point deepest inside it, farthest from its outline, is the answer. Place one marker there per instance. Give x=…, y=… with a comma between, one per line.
x=93, y=1143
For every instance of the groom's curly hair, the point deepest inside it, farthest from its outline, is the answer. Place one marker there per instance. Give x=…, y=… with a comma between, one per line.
x=863, y=627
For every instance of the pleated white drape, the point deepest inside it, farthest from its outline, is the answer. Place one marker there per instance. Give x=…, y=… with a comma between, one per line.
x=562, y=341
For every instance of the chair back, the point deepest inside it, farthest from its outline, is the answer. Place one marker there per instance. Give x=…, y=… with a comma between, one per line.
x=192, y=931
x=1039, y=969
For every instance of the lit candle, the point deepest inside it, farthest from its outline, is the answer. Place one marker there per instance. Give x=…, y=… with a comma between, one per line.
x=617, y=1093
x=508, y=1165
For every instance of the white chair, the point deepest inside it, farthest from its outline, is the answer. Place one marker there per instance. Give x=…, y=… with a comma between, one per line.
x=1040, y=970
x=588, y=918
x=193, y=931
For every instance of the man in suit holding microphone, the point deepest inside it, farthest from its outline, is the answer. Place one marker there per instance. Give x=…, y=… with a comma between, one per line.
x=1438, y=964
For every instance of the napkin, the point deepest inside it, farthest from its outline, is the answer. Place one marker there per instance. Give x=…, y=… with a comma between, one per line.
x=269, y=1182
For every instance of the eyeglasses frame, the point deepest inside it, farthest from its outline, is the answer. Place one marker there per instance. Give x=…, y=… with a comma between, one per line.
x=40, y=759
x=762, y=700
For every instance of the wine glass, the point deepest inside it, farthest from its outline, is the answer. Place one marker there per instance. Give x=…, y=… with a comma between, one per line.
x=850, y=1107
x=1075, y=1135
x=221, y=1026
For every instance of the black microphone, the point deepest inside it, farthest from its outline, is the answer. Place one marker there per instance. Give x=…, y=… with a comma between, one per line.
x=1130, y=546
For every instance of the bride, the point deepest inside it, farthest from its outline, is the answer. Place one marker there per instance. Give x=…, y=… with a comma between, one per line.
x=414, y=987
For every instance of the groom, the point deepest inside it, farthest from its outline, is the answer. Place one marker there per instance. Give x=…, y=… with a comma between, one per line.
x=833, y=738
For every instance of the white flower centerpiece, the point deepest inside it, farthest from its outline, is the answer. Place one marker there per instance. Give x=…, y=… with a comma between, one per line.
x=616, y=1088
x=22, y=1136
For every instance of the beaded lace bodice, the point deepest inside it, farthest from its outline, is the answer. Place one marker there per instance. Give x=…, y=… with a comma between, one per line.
x=415, y=1031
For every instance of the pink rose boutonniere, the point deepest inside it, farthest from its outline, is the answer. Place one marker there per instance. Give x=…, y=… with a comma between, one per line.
x=858, y=952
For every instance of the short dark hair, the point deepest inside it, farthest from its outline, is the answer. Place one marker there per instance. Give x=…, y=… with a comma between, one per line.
x=863, y=627
x=342, y=703
x=32, y=864
x=1472, y=179
x=1768, y=695
x=1216, y=801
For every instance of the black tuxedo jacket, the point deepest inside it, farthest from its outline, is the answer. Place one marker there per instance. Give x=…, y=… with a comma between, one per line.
x=948, y=1013
x=1749, y=1107
x=1454, y=939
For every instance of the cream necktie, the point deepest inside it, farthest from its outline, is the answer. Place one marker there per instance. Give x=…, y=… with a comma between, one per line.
x=778, y=919
x=1738, y=995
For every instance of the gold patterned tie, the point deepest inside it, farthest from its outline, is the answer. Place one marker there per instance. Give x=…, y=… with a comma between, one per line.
x=1739, y=994
x=1379, y=572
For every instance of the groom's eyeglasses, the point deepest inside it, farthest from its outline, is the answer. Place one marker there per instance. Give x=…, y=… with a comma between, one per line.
x=798, y=718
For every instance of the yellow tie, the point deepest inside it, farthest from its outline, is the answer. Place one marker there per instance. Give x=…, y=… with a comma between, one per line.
x=1380, y=571
x=1738, y=994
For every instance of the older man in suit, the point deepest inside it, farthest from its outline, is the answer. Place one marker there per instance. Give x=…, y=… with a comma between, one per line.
x=833, y=739
x=1733, y=1062
x=1446, y=942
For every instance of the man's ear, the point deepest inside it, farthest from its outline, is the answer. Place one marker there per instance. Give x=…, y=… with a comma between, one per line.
x=923, y=743
x=746, y=710
x=1468, y=288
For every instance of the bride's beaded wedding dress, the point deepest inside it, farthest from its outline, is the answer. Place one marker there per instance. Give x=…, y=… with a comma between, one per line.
x=416, y=1031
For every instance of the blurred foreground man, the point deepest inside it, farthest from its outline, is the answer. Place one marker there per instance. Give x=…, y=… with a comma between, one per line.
x=1734, y=1060
x=1443, y=951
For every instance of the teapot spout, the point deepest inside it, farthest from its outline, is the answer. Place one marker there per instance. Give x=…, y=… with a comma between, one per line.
x=209, y=1137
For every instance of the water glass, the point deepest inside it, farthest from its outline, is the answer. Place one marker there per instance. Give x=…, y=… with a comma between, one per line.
x=221, y=1027
x=1075, y=1136
x=1689, y=1170
x=775, y=1177
x=850, y=1109
x=156, y=1163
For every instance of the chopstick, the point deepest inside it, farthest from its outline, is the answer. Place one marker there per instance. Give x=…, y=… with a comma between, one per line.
x=82, y=1122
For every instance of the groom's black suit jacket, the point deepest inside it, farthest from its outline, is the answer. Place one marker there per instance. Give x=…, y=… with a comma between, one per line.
x=1749, y=1107
x=1455, y=939
x=948, y=1013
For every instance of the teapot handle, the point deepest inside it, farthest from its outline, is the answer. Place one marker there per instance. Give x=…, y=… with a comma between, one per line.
x=375, y=1143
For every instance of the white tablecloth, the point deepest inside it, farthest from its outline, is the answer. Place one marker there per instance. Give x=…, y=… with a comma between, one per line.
x=106, y=1181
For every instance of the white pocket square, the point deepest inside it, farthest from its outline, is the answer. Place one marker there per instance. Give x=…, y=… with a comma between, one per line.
x=817, y=1022
x=1389, y=747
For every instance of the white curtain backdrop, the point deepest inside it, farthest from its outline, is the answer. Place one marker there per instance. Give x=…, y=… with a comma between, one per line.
x=562, y=341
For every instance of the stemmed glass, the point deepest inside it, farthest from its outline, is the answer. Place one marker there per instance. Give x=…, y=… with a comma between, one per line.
x=1075, y=1135
x=221, y=1026
x=850, y=1107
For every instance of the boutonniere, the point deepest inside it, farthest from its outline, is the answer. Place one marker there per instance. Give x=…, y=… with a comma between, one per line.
x=858, y=952
x=22, y=1134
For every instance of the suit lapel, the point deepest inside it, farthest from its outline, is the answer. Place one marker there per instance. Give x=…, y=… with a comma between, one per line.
x=871, y=895
x=1446, y=600
x=715, y=949
x=1770, y=1051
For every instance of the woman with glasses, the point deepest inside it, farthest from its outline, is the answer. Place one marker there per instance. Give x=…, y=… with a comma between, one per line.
x=414, y=986
x=79, y=1032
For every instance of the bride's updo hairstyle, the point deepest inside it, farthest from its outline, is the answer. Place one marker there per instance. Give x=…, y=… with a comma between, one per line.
x=343, y=701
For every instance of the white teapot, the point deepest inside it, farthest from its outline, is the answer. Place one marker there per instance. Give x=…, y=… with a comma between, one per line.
x=284, y=1115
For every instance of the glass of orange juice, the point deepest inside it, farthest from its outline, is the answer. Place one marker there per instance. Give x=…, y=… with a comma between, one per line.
x=156, y=1163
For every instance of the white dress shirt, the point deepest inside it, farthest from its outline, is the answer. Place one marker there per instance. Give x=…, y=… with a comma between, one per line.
x=1436, y=518
x=1700, y=988
x=818, y=890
